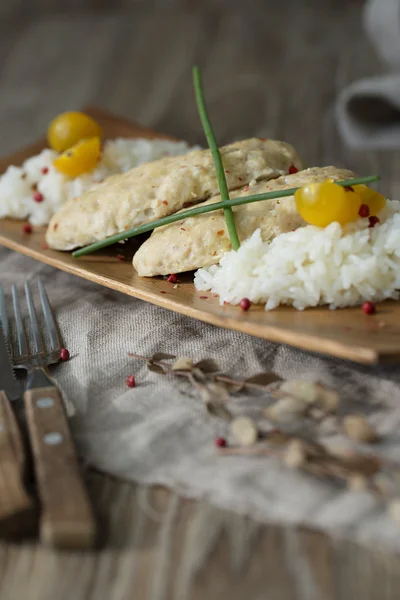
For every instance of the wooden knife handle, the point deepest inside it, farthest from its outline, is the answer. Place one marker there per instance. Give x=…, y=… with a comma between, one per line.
x=67, y=519
x=17, y=511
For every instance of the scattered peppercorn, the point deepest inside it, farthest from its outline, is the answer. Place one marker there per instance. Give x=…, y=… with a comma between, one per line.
x=364, y=210
x=172, y=278
x=162, y=292
x=373, y=221
x=165, y=202
x=130, y=381
x=348, y=188
x=293, y=170
x=27, y=228
x=368, y=308
x=203, y=297
x=220, y=442
x=45, y=170
x=120, y=257
x=38, y=197
x=245, y=304
x=64, y=354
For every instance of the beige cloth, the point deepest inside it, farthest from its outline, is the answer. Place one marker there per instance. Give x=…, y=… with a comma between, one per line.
x=368, y=110
x=160, y=433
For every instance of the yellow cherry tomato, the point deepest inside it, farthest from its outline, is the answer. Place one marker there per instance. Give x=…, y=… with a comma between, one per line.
x=323, y=203
x=69, y=128
x=81, y=158
x=375, y=201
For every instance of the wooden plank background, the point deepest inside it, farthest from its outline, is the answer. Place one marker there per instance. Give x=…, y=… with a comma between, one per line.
x=271, y=68
x=22, y=9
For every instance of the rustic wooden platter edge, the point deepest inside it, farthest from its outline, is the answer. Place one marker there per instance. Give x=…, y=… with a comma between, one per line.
x=345, y=333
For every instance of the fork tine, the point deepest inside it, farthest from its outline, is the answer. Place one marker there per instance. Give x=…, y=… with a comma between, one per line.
x=21, y=339
x=4, y=316
x=52, y=330
x=37, y=340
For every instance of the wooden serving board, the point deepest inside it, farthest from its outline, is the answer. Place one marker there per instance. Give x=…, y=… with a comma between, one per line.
x=345, y=333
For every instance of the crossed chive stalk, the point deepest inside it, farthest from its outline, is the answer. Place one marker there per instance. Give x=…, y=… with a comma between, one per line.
x=225, y=204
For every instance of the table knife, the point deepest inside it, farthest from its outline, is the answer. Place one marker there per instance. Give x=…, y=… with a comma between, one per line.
x=17, y=512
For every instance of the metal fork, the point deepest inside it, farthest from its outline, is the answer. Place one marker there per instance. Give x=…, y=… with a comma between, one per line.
x=66, y=519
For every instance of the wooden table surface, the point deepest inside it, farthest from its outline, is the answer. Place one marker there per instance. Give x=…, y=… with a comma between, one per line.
x=270, y=69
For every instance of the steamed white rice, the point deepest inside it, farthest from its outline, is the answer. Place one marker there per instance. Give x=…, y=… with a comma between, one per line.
x=18, y=184
x=313, y=266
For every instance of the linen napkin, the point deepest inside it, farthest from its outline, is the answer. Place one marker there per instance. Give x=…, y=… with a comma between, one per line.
x=368, y=110
x=159, y=432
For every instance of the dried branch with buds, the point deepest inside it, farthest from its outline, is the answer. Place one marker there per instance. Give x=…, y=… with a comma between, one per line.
x=292, y=402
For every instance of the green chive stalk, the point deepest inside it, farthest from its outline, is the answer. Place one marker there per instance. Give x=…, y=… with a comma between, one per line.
x=219, y=167
x=202, y=209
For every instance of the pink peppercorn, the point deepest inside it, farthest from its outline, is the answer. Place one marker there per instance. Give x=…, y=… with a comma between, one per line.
x=130, y=381
x=373, y=221
x=38, y=197
x=120, y=257
x=26, y=228
x=364, y=210
x=220, y=442
x=64, y=354
x=245, y=304
x=368, y=308
x=293, y=170
x=172, y=278
x=45, y=170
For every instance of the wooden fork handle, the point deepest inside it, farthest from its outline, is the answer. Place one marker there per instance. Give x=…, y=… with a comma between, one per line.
x=67, y=519
x=17, y=514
